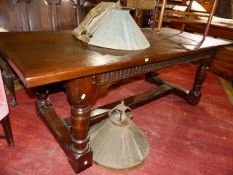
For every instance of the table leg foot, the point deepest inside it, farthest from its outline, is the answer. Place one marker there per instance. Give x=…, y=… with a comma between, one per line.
x=80, y=162
x=194, y=96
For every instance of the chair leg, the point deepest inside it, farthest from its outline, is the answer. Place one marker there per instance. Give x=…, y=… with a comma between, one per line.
x=160, y=22
x=7, y=130
x=8, y=80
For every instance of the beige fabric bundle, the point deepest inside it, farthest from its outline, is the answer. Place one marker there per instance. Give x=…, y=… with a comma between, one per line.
x=93, y=19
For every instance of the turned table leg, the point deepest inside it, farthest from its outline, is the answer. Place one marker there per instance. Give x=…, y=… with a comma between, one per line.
x=81, y=95
x=194, y=95
x=74, y=140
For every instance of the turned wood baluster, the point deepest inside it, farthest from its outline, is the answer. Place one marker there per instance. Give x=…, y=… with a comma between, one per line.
x=81, y=95
x=194, y=95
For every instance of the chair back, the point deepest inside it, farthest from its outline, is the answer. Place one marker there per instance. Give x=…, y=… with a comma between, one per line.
x=184, y=15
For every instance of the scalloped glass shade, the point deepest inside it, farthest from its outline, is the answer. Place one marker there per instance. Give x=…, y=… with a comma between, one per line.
x=118, y=30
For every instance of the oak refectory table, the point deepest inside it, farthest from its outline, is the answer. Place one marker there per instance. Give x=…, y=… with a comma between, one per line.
x=44, y=58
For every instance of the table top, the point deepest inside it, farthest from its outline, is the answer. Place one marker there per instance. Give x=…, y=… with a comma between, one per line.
x=41, y=58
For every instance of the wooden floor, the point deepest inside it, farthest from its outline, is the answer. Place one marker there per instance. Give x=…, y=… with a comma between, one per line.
x=184, y=140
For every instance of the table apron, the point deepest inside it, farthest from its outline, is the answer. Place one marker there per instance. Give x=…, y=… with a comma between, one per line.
x=112, y=76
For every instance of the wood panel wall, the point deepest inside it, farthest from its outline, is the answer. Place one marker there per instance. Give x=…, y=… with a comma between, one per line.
x=34, y=15
x=223, y=9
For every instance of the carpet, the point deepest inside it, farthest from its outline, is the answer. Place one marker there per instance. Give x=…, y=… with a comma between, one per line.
x=183, y=139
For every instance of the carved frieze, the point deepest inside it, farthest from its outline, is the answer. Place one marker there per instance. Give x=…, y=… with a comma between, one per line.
x=142, y=69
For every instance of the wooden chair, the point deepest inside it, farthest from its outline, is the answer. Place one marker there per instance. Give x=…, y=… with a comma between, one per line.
x=186, y=14
x=4, y=115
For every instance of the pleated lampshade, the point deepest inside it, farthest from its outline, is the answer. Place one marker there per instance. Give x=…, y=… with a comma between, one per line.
x=118, y=30
x=118, y=147
x=117, y=143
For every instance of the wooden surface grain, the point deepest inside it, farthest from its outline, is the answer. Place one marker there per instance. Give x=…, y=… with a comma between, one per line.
x=45, y=57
